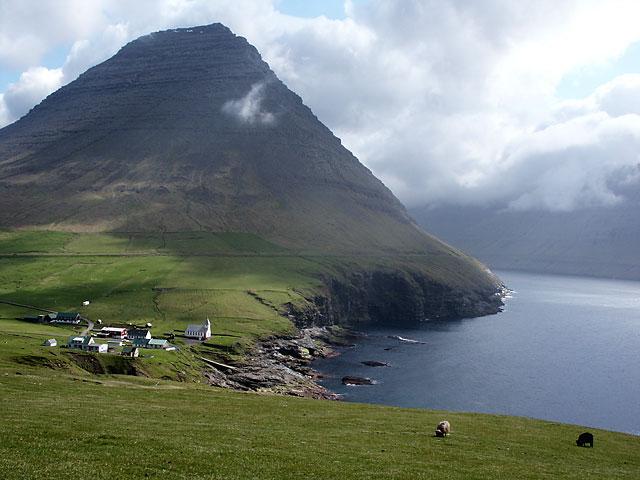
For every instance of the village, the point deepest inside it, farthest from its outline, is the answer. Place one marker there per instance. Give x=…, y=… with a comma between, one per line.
x=126, y=340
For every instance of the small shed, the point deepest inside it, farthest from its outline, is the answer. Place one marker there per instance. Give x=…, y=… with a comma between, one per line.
x=51, y=342
x=86, y=303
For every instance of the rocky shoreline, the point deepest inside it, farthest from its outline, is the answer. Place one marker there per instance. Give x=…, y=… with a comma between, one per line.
x=280, y=365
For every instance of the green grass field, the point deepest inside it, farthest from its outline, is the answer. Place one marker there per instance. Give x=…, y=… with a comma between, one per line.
x=170, y=280
x=56, y=426
x=69, y=415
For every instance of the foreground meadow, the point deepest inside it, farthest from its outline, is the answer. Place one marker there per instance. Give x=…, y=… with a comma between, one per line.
x=122, y=427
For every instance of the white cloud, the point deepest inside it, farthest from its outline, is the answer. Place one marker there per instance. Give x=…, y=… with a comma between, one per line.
x=248, y=109
x=446, y=101
x=28, y=28
x=33, y=85
x=4, y=112
x=581, y=162
x=620, y=96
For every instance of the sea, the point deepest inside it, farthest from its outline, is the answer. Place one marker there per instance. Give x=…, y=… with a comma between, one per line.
x=564, y=349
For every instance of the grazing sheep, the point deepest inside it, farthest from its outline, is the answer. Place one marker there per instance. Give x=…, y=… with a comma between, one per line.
x=443, y=429
x=585, y=438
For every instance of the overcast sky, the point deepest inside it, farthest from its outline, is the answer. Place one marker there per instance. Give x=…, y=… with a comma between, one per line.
x=528, y=105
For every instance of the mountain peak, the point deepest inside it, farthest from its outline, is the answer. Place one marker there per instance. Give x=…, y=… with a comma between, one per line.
x=189, y=129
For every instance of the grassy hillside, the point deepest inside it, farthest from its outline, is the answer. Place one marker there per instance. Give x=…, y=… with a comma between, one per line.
x=61, y=420
x=240, y=281
x=173, y=279
x=118, y=427
x=166, y=280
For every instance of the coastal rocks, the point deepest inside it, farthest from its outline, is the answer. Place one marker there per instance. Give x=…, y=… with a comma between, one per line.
x=277, y=365
x=351, y=380
x=374, y=363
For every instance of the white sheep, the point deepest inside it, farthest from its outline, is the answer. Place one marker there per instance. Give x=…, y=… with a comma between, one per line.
x=443, y=429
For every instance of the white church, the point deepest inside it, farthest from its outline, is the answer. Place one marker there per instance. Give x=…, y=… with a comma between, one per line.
x=201, y=332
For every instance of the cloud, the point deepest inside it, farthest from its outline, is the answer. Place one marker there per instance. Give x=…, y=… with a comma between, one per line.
x=33, y=85
x=620, y=96
x=579, y=163
x=450, y=102
x=4, y=112
x=447, y=101
x=28, y=29
x=248, y=109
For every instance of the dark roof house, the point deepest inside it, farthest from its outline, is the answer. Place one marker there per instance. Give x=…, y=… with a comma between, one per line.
x=140, y=342
x=63, y=317
x=139, y=333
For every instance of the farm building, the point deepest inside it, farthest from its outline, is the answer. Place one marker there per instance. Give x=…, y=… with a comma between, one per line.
x=51, y=342
x=80, y=342
x=140, y=342
x=158, y=343
x=130, y=351
x=72, y=318
x=114, y=332
x=87, y=343
x=136, y=333
x=201, y=332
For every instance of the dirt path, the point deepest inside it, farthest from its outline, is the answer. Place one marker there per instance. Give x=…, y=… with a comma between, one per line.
x=89, y=327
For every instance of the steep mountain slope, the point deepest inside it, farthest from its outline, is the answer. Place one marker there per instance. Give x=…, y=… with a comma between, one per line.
x=598, y=241
x=190, y=130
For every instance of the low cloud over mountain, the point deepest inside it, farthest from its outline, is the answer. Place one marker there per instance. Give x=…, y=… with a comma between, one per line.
x=449, y=102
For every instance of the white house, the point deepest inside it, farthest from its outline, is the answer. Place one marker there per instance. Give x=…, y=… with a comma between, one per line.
x=87, y=343
x=201, y=332
x=80, y=342
x=52, y=342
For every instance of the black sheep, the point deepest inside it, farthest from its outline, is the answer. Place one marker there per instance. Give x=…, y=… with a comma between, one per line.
x=585, y=438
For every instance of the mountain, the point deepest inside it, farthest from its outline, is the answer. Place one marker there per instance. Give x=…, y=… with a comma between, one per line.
x=190, y=130
x=595, y=241
x=185, y=130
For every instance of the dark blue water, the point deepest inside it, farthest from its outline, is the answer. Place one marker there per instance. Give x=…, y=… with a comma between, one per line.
x=565, y=349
